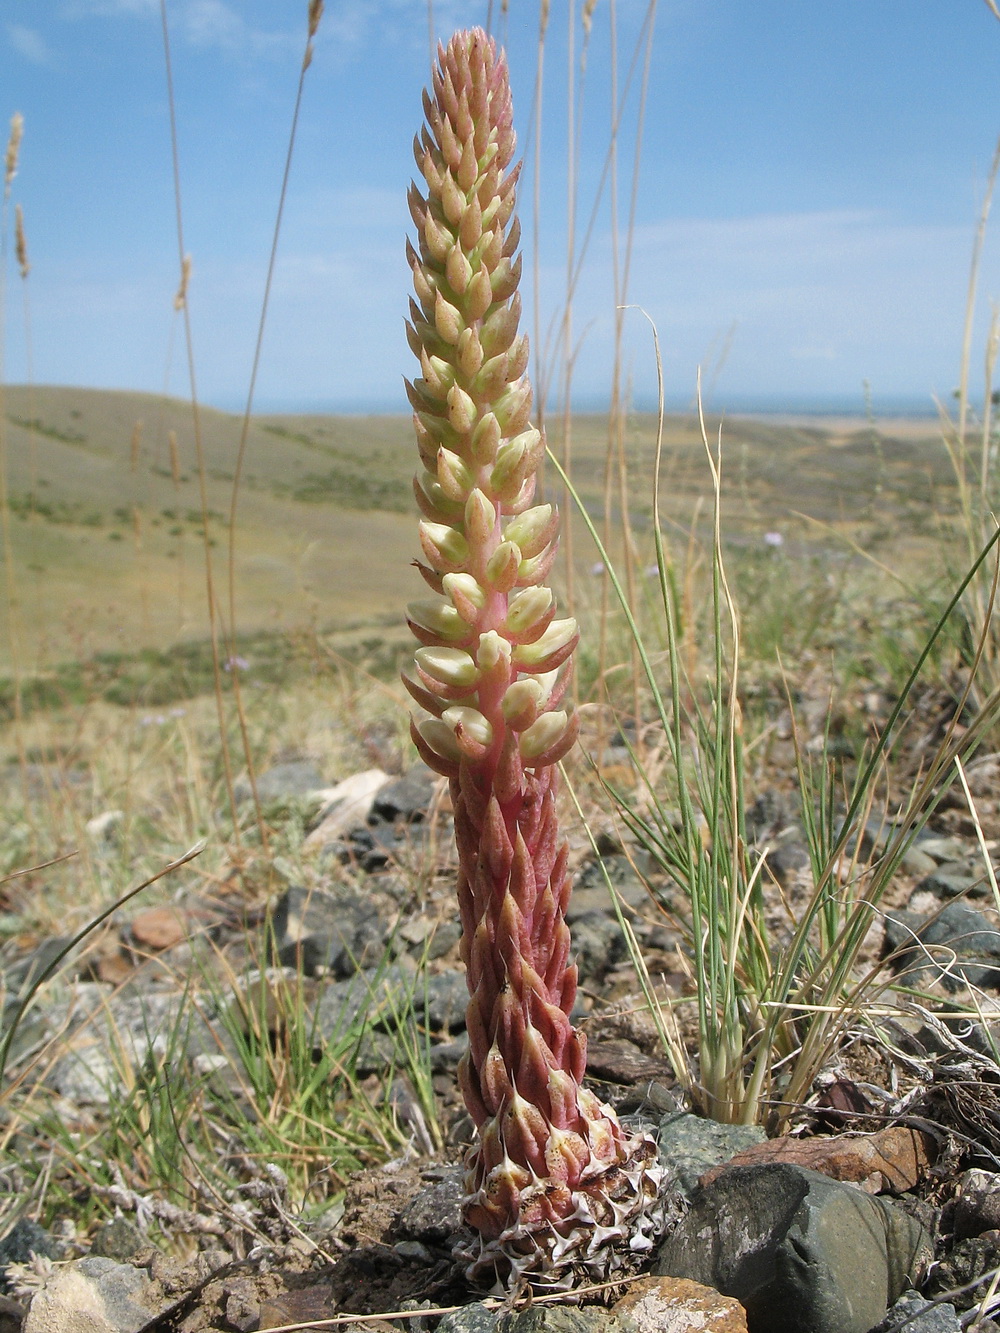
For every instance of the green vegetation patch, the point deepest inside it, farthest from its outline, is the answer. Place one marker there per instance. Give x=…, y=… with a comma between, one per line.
x=52, y=432
x=353, y=490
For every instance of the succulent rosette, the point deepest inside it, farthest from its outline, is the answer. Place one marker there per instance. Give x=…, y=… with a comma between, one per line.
x=554, y=1180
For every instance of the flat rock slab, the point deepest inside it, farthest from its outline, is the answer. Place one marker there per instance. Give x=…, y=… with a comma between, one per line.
x=317, y=930
x=895, y=1159
x=803, y=1253
x=159, y=928
x=677, y=1305
x=91, y=1296
x=620, y=1061
x=690, y=1145
x=347, y=804
x=297, y=1307
x=479, y=1318
x=912, y=1313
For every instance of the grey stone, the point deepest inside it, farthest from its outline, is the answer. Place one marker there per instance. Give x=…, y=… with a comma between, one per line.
x=241, y=1303
x=380, y=993
x=598, y=944
x=916, y=861
x=977, y=1204
x=118, y=1239
x=28, y=971
x=24, y=1239
x=690, y=1144
x=318, y=932
x=407, y=797
x=590, y=893
x=477, y=1318
x=435, y=1214
x=957, y=928
x=445, y=1055
x=769, y=816
x=444, y=939
x=135, y=1026
x=92, y=1295
x=912, y=1313
x=282, y=782
x=559, y=1319
x=373, y=848
x=803, y=1253
x=942, y=848
x=787, y=859
x=963, y=1266
x=951, y=879
x=441, y=1000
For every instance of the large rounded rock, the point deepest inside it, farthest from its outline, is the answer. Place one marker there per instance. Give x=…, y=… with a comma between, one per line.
x=803, y=1253
x=92, y=1296
x=691, y=1144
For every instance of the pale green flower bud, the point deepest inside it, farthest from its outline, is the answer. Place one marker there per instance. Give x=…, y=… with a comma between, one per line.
x=493, y=649
x=486, y=438
x=461, y=409
x=447, y=319
x=515, y=460
x=471, y=721
x=480, y=518
x=532, y=530
x=480, y=295
x=499, y=331
x=465, y=592
x=458, y=270
x=444, y=546
x=437, y=618
x=559, y=638
x=512, y=408
x=543, y=733
x=452, y=199
x=470, y=352
x=503, y=566
x=521, y=702
x=526, y=609
x=546, y=681
x=440, y=737
x=433, y=501
x=455, y=478
x=450, y=666
x=437, y=236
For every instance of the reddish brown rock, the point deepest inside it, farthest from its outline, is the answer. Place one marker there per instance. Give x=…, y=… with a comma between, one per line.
x=892, y=1160
x=297, y=1307
x=677, y=1305
x=159, y=928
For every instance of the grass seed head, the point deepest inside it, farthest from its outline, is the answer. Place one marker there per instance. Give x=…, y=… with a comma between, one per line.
x=13, y=149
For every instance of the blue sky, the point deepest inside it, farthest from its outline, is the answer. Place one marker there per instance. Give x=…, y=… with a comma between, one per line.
x=810, y=180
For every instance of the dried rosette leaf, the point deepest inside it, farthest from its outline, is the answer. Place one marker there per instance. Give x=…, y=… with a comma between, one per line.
x=555, y=1182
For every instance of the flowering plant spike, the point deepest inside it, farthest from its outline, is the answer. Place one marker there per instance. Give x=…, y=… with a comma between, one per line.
x=554, y=1183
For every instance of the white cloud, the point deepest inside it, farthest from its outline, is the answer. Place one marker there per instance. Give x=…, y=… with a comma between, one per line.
x=821, y=301
x=29, y=44
x=204, y=24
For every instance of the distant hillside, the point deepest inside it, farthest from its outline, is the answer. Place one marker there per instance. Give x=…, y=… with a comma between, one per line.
x=105, y=509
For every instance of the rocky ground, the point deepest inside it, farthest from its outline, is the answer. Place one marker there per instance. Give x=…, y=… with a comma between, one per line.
x=881, y=1210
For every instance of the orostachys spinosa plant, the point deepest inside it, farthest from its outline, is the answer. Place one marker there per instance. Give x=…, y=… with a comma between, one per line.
x=555, y=1185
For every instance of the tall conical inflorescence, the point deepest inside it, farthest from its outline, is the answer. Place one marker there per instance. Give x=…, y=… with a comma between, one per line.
x=554, y=1179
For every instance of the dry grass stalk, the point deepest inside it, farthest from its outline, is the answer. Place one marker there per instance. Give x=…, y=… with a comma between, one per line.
x=134, y=445
x=21, y=241
x=180, y=300
x=13, y=150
